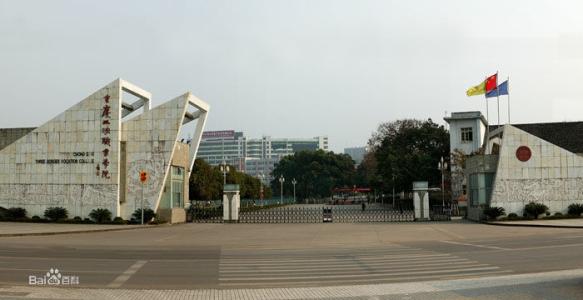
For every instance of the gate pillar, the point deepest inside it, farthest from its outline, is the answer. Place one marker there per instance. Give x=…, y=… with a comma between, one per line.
x=421, y=200
x=231, y=203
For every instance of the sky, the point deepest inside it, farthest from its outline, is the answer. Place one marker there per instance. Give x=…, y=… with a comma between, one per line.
x=296, y=68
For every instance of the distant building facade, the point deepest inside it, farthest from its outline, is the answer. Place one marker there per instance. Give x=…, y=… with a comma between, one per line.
x=253, y=156
x=356, y=153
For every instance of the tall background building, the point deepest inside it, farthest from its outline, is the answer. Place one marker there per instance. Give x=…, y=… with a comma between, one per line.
x=253, y=156
x=356, y=153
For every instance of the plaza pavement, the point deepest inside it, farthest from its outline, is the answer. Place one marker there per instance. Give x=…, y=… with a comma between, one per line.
x=547, y=285
x=8, y=229
x=299, y=261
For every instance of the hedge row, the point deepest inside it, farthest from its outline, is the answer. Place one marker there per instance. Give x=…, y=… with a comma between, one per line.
x=61, y=215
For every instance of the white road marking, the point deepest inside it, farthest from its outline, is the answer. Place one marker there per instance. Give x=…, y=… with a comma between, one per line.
x=476, y=245
x=363, y=275
x=379, y=281
x=342, y=264
x=354, y=267
x=123, y=277
x=253, y=262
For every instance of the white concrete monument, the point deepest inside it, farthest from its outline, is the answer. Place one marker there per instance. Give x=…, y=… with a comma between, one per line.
x=90, y=155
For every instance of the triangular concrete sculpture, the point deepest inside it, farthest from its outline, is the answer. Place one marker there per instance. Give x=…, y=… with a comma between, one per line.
x=73, y=161
x=551, y=174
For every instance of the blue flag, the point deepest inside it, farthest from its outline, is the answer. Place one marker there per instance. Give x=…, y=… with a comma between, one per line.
x=502, y=89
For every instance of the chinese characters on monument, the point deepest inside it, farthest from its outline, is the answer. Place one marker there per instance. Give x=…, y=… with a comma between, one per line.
x=103, y=168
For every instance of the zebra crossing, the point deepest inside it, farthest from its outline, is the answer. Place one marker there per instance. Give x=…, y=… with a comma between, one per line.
x=390, y=264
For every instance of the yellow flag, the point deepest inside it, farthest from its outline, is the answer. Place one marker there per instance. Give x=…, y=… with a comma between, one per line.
x=477, y=90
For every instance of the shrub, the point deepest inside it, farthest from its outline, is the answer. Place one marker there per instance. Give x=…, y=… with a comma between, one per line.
x=100, y=215
x=78, y=219
x=118, y=220
x=492, y=213
x=558, y=214
x=56, y=213
x=87, y=221
x=535, y=209
x=512, y=216
x=149, y=214
x=575, y=209
x=16, y=213
x=3, y=213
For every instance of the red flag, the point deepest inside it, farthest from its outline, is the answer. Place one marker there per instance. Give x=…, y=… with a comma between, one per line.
x=491, y=82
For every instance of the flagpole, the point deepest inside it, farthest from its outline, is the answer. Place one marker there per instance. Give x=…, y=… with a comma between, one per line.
x=487, y=126
x=498, y=98
x=508, y=94
x=498, y=102
x=487, y=119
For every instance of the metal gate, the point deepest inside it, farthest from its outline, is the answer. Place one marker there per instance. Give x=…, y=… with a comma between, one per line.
x=307, y=213
x=440, y=213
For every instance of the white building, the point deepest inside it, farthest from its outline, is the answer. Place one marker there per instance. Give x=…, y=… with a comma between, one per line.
x=255, y=157
x=522, y=163
x=466, y=136
x=90, y=156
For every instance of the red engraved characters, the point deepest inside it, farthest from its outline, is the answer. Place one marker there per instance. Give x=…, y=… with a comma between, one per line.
x=103, y=170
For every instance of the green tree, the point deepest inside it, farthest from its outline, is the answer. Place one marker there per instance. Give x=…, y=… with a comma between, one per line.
x=317, y=173
x=408, y=149
x=206, y=182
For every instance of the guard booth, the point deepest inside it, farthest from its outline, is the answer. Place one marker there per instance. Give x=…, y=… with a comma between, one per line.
x=231, y=203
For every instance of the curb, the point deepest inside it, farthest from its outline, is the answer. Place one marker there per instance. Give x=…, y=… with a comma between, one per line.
x=73, y=231
x=531, y=225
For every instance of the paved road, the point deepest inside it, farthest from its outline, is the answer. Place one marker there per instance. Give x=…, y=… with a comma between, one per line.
x=228, y=256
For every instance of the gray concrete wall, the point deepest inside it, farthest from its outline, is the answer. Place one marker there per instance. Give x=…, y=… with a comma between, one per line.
x=478, y=164
x=552, y=176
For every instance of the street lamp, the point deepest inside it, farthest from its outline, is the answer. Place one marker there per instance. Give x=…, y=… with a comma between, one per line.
x=294, y=182
x=281, y=181
x=225, y=169
x=394, y=191
x=261, y=178
x=442, y=166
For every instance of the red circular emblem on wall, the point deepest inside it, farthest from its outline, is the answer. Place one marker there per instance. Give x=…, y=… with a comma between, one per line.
x=523, y=153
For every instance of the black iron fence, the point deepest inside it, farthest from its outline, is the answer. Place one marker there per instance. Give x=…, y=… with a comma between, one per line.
x=305, y=213
x=440, y=213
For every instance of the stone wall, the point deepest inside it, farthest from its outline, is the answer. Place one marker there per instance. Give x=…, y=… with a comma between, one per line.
x=70, y=161
x=150, y=142
x=553, y=176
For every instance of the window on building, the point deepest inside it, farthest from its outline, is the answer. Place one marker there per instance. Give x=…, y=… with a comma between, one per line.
x=467, y=134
